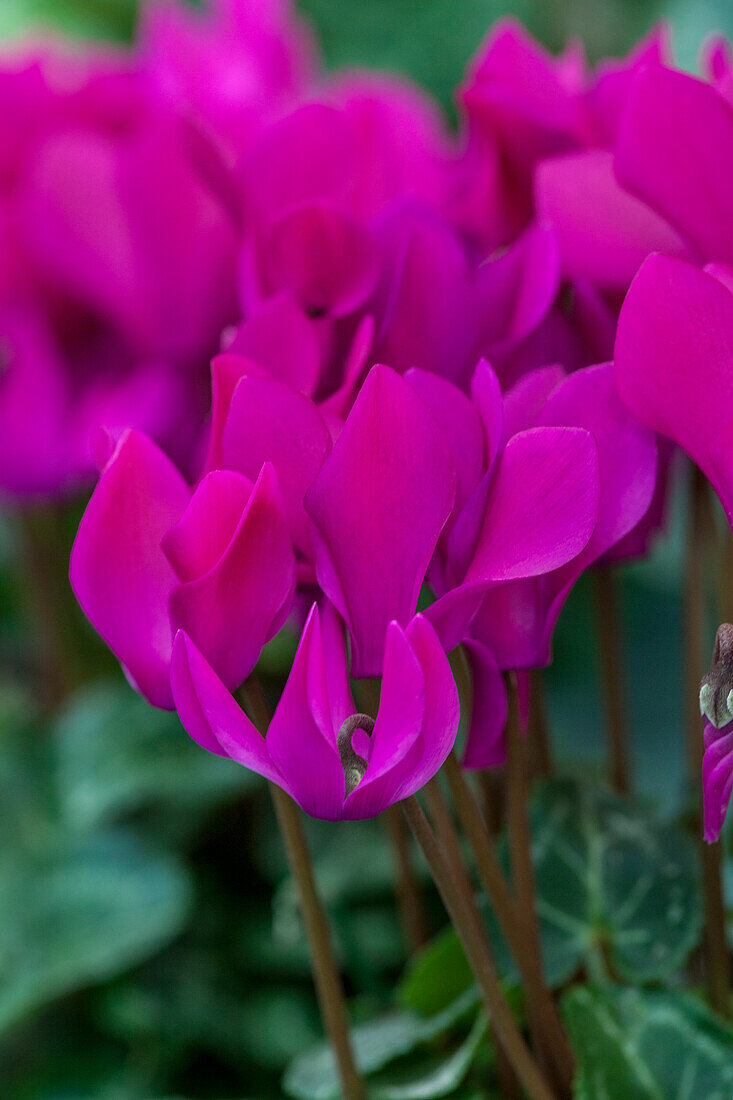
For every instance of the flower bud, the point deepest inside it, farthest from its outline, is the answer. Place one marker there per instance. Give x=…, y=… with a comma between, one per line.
x=716, y=689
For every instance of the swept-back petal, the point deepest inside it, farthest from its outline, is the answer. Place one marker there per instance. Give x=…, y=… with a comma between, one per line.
x=195, y=543
x=605, y=233
x=119, y=573
x=675, y=151
x=212, y=716
x=299, y=745
x=674, y=363
x=461, y=422
x=379, y=505
x=627, y=451
x=269, y=422
x=243, y=600
x=542, y=507
x=278, y=336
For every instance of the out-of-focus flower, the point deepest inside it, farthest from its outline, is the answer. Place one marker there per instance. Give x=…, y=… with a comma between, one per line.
x=231, y=67
x=117, y=269
x=336, y=763
x=150, y=557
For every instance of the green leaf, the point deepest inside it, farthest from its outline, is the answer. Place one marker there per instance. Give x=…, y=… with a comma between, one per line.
x=612, y=883
x=116, y=754
x=643, y=1045
x=313, y=1076
x=436, y=976
x=433, y=1076
x=80, y=914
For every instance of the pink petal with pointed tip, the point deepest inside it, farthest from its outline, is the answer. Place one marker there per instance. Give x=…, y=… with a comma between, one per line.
x=231, y=611
x=119, y=573
x=195, y=543
x=605, y=233
x=278, y=336
x=674, y=363
x=462, y=426
x=717, y=778
x=487, y=397
x=627, y=451
x=297, y=741
x=411, y=770
x=675, y=152
x=542, y=507
x=212, y=716
x=379, y=505
x=516, y=291
x=269, y=422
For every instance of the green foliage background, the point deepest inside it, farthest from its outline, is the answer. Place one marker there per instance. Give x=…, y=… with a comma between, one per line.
x=150, y=943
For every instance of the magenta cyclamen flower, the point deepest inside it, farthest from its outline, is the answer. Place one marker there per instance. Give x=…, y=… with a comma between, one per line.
x=150, y=557
x=549, y=479
x=112, y=292
x=335, y=762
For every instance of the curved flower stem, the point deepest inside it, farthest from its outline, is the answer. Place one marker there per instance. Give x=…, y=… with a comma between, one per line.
x=699, y=527
x=327, y=979
x=612, y=676
x=473, y=939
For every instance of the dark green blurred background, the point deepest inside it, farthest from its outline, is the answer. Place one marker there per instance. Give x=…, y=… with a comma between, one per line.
x=149, y=941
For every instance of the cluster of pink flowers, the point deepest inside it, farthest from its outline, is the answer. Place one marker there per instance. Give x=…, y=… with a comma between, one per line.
x=411, y=334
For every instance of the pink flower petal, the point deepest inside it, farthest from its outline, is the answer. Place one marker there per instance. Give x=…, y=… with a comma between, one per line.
x=119, y=573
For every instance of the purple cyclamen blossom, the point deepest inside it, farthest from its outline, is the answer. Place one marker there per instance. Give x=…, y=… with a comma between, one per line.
x=533, y=508
x=151, y=557
x=506, y=621
x=335, y=762
x=112, y=292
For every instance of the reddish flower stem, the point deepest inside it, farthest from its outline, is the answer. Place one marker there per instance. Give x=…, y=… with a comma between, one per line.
x=539, y=734
x=448, y=836
x=699, y=541
x=409, y=893
x=327, y=979
x=473, y=939
x=612, y=676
